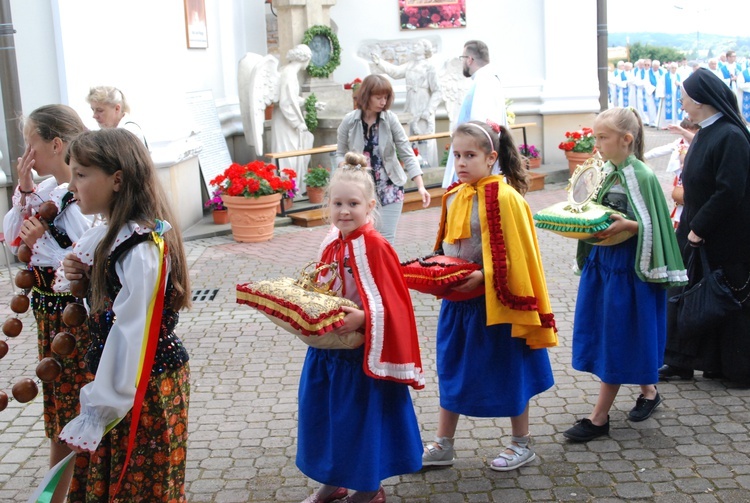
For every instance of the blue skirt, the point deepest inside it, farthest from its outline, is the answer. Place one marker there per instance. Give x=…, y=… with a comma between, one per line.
x=483, y=371
x=354, y=431
x=620, y=326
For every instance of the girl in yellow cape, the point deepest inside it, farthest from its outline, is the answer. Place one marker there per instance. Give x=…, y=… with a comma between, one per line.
x=495, y=326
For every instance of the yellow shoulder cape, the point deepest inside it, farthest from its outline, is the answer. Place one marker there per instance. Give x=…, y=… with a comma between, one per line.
x=515, y=288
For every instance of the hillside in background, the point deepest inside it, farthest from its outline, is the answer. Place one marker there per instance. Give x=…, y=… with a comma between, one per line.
x=694, y=45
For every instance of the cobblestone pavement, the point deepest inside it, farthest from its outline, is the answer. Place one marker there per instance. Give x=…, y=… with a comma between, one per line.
x=243, y=408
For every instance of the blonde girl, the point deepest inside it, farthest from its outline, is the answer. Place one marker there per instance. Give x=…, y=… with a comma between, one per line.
x=492, y=339
x=47, y=132
x=620, y=321
x=136, y=260
x=357, y=424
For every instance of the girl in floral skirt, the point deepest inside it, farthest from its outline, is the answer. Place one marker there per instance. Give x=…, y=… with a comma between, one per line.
x=47, y=131
x=132, y=432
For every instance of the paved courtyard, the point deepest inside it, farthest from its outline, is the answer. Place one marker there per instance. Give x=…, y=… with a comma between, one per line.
x=245, y=373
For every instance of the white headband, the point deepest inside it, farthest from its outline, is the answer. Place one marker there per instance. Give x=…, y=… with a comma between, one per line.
x=489, y=138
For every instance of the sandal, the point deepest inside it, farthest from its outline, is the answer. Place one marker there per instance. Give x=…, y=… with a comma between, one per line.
x=439, y=453
x=520, y=454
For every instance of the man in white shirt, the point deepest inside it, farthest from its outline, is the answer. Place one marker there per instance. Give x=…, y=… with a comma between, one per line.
x=485, y=98
x=729, y=71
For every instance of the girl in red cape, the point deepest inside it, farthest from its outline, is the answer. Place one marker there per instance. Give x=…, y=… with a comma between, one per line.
x=357, y=424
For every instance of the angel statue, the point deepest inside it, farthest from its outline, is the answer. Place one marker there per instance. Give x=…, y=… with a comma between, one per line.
x=262, y=84
x=422, y=92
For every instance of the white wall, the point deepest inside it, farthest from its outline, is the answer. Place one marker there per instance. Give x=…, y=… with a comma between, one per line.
x=66, y=46
x=517, y=34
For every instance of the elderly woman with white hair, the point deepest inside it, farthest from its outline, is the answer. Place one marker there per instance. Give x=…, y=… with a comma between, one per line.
x=111, y=110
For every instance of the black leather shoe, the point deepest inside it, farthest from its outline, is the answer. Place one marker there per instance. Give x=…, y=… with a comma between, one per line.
x=668, y=372
x=584, y=430
x=644, y=408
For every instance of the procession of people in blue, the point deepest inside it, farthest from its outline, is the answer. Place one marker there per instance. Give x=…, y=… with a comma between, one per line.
x=654, y=88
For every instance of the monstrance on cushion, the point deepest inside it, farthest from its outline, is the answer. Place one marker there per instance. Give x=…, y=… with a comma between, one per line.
x=580, y=216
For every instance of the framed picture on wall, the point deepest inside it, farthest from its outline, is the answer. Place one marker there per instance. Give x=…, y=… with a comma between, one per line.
x=195, y=24
x=421, y=14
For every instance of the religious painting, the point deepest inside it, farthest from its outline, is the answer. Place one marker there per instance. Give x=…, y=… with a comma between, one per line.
x=195, y=24
x=421, y=14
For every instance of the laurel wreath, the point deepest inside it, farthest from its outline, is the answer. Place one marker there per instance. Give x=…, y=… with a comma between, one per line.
x=311, y=113
x=335, y=60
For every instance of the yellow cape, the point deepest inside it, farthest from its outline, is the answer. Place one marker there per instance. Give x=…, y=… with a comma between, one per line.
x=515, y=288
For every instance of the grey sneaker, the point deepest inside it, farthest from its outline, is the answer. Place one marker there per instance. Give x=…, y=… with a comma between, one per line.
x=439, y=453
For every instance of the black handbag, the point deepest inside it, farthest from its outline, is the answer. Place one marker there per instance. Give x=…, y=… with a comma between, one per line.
x=701, y=306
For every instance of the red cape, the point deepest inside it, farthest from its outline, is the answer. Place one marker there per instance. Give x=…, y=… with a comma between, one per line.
x=391, y=341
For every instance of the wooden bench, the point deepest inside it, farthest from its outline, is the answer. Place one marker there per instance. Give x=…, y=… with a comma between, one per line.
x=412, y=202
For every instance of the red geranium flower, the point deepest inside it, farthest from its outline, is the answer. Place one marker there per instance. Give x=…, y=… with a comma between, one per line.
x=579, y=141
x=254, y=180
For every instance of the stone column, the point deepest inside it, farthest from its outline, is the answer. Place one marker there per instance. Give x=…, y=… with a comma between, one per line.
x=296, y=16
x=570, y=95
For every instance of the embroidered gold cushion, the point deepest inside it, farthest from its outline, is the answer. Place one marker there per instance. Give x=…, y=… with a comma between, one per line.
x=311, y=316
x=559, y=218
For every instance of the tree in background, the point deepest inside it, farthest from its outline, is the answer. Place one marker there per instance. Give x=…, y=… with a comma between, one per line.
x=648, y=51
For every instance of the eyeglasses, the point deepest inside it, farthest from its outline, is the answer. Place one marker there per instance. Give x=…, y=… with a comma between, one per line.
x=464, y=57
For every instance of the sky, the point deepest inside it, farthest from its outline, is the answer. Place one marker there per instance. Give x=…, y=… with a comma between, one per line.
x=720, y=17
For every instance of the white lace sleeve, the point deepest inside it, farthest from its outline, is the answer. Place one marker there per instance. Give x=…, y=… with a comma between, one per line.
x=110, y=396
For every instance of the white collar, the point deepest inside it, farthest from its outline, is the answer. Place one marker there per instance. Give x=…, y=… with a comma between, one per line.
x=86, y=246
x=707, y=122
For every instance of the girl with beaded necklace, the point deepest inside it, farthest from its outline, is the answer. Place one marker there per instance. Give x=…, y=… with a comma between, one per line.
x=47, y=131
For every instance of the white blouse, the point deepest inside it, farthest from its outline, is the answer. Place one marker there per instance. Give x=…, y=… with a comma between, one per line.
x=110, y=395
x=45, y=252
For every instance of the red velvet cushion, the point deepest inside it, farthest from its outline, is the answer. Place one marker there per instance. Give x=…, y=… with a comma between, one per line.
x=437, y=274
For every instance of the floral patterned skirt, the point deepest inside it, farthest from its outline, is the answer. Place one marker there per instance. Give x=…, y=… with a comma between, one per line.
x=156, y=471
x=61, y=395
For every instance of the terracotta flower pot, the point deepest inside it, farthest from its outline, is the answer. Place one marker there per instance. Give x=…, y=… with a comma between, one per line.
x=315, y=194
x=534, y=162
x=575, y=159
x=221, y=217
x=286, y=203
x=252, y=219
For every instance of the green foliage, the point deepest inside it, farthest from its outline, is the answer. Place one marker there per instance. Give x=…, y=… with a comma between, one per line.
x=317, y=177
x=648, y=51
x=311, y=112
x=335, y=60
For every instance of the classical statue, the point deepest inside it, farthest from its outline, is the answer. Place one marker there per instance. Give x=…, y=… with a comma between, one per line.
x=422, y=92
x=262, y=84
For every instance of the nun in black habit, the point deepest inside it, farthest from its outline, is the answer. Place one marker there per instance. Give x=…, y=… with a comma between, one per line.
x=716, y=215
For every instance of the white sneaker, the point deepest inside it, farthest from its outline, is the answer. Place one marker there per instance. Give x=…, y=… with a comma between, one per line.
x=521, y=454
x=439, y=453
